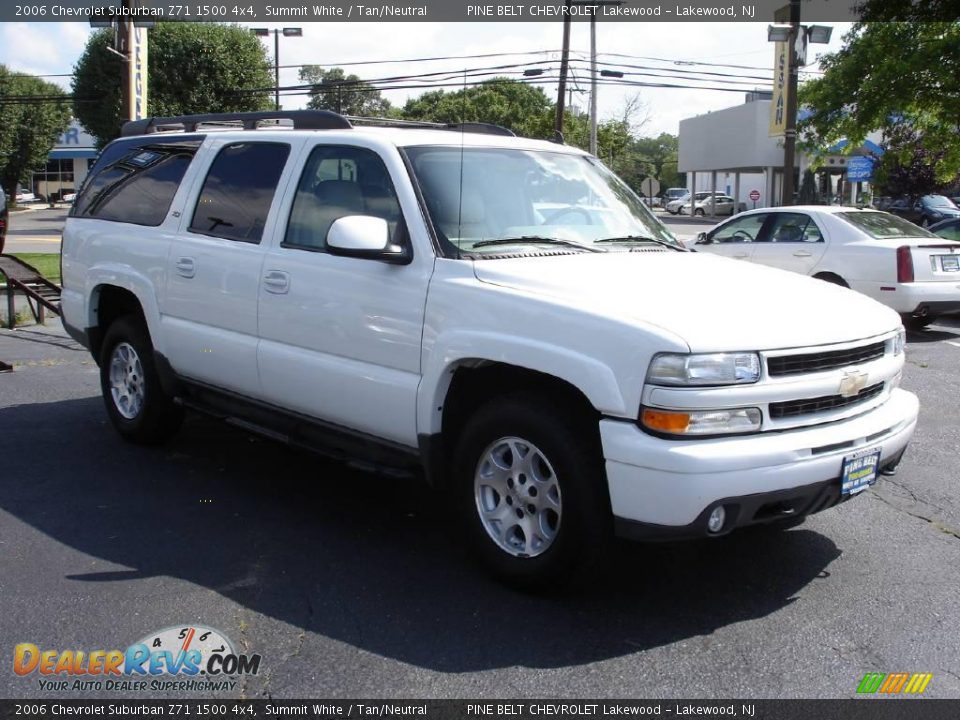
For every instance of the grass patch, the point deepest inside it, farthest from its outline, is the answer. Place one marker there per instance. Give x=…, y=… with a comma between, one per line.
x=47, y=263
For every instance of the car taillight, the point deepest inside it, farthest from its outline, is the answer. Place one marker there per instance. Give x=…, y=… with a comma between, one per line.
x=904, y=264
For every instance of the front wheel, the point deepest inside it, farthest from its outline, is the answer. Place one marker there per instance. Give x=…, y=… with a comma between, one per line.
x=531, y=490
x=136, y=403
x=700, y=212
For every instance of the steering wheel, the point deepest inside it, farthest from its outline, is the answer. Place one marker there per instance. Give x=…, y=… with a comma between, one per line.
x=743, y=235
x=553, y=217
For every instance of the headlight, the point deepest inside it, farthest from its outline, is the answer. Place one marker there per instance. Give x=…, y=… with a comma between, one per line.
x=701, y=422
x=898, y=341
x=712, y=369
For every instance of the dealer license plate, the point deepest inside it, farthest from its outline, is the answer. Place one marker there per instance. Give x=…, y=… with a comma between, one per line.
x=859, y=471
x=950, y=263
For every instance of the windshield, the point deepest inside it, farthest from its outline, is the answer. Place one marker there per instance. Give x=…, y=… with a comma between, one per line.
x=522, y=201
x=939, y=201
x=883, y=225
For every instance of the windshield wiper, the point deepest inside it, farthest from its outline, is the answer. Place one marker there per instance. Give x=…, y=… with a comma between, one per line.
x=640, y=239
x=535, y=240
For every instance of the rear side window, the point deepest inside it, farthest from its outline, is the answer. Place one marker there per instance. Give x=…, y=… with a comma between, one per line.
x=136, y=186
x=238, y=191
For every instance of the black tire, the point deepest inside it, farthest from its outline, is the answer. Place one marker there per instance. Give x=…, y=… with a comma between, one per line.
x=916, y=323
x=699, y=212
x=571, y=447
x=157, y=417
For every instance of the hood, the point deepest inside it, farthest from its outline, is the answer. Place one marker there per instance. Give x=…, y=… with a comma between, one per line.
x=713, y=303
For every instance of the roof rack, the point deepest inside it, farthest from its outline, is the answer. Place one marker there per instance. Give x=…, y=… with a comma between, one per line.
x=301, y=119
x=470, y=127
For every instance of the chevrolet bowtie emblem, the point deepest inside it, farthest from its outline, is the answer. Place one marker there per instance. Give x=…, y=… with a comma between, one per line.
x=852, y=383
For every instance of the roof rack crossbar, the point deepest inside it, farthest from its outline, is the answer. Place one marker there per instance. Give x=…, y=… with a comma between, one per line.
x=301, y=119
x=479, y=127
x=470, y=127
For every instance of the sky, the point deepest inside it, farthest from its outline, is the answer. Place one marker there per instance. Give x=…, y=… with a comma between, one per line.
x=53, y=49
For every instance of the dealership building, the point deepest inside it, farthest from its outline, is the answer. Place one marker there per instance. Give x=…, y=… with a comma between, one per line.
x=67, y=164
x=730, y=151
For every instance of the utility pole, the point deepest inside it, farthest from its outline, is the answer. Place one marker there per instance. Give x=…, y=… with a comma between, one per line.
x=593, y=84
x=287, y=32
x=790, y=131
x=564, y=62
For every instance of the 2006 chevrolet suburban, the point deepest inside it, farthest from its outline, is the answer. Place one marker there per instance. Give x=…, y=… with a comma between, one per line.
x=502, y=314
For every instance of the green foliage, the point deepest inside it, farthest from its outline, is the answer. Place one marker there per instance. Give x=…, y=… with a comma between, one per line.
x=28, y=131
x=896, y=77
x=334, y=90
x=523, y=108
x=193, y=68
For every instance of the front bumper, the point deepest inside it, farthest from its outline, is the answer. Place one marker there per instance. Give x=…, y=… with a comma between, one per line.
x=668, y=487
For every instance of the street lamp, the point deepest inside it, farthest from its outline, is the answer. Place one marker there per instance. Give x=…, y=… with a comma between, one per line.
x=797, y=37
x=286, y=32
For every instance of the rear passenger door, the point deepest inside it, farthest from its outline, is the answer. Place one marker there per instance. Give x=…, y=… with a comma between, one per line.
x=210, y=309
x=341, y=336
x=791, y=241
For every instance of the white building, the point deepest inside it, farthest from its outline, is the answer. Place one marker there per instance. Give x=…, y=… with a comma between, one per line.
x=67, y=165
x=730, y=151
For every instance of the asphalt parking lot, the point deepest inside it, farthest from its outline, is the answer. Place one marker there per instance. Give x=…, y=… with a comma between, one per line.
x=348, y=584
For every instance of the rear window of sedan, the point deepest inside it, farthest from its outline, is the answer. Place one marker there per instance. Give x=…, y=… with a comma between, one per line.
x=880, y=225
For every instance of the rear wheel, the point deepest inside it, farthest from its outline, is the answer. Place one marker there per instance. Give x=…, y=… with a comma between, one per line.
x=136, y=404
x=531, y=491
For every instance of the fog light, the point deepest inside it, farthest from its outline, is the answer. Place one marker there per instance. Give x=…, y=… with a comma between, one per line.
x=716, y=519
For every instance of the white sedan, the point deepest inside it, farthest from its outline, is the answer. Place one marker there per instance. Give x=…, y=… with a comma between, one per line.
x=881, y=255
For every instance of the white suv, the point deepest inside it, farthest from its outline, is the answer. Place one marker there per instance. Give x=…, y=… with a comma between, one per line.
x=503, y=316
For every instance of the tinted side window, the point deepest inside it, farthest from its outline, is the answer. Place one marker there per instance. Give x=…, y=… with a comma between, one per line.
x=138, y=186
x=239, y=190
x=338, y=181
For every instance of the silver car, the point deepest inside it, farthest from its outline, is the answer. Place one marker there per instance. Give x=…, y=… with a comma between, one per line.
x=725, y=205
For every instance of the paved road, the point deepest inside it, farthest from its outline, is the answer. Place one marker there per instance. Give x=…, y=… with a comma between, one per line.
x=36, y=230
x=348, y=584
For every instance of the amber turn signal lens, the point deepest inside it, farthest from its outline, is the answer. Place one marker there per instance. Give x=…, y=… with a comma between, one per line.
x=664, y=421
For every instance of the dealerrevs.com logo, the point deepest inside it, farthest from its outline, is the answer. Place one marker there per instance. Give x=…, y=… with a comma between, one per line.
x=184, y=658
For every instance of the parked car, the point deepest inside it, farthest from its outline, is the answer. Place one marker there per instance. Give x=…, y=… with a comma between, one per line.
x=500, y=315
x=725, y=205
x=674, y=201
x=881, y=255
x=949, y=229
x=25, y=196
x=925, y=211
x=675, y=206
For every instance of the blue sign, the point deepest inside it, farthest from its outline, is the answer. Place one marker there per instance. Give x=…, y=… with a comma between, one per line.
x=859, y=168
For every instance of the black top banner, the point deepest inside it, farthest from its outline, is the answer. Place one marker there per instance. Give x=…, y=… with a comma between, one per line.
x=302, y=11
x=873, y=708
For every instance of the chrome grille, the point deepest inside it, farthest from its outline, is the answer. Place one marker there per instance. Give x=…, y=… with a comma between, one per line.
x=815, y=362
x=809, y=406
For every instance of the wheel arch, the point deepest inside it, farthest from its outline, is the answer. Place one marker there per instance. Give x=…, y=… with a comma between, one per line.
x=114, y=297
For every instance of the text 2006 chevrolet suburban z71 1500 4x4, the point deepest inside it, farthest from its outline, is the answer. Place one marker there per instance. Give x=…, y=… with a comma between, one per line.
x=503, y=314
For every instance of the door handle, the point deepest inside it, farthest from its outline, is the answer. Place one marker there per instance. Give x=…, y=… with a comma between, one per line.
x=186, y=267
x=740, y=255
x=277, y=282
x=802, y=253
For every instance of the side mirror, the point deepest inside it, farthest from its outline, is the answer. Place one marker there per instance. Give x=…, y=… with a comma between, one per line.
x=364, y=236
x=701, y=239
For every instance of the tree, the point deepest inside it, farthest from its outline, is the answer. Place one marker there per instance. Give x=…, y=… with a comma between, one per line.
x=29, y=126
x=523, y=108
x=348, y=94
x=192, y=68
x=902, y=79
